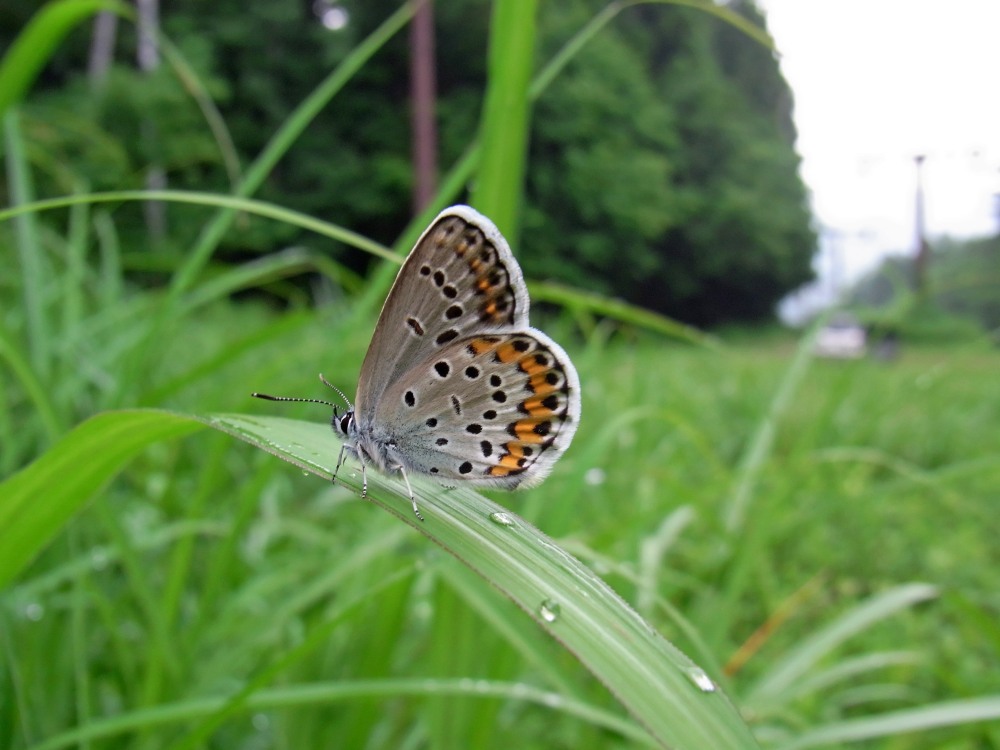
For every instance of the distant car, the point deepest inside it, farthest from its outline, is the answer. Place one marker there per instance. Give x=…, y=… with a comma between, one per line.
x=841, y=338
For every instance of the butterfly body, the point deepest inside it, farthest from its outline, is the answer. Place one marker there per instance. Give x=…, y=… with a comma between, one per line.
x=456, y=384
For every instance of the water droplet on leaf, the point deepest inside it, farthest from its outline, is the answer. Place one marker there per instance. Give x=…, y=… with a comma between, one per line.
x=700, y=678
x=34, y=611
x=501, y=519
x=549, y=610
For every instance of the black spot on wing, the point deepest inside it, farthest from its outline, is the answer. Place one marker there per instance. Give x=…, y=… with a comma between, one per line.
x=450, y=335
x=415, y=325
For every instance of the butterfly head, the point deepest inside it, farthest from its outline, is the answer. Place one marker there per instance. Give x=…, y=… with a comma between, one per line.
x=343, y=423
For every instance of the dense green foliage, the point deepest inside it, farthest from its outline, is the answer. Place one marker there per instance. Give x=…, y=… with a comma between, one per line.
x=662, y=160
x=661, y=171
x=960, y=302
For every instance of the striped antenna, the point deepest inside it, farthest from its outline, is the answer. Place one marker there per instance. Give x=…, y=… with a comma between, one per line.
x=308, y=400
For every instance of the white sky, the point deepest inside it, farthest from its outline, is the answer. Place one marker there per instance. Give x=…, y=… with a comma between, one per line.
x=875, y=83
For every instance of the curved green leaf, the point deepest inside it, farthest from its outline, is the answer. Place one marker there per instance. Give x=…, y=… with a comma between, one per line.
x=669, y=695
x=935, y=715
x=37, y=502
x=672, y=698
x=39, y=39
x=799, y=660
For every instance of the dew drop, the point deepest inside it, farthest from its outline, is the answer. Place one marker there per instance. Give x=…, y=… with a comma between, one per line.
x=98, y=559
x=549, y=610
x=501, y=519
x=261, y=722
x=553, y=700
x=34, y=611
x=701, y=680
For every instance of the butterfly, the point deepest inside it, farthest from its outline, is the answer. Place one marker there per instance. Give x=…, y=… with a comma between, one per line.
x=456, y=384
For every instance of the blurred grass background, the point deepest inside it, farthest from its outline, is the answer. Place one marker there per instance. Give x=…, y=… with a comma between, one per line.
x=819, y=535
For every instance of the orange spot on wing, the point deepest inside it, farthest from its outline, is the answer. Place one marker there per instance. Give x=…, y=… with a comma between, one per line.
x=525, y=431
x=509, y=461
x=539, y=385
x=531, y=366
x=536, y=408
x=507, y=353
x=481, y=346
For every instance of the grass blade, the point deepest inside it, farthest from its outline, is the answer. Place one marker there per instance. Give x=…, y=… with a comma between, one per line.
x=799, y=660
x=757, y=452
x=33, y=388
x=226, y=202
x=34, y=275
x=326, y=693
x=282, y=141
x=661, y=688
x=673, y=699
x=576, y=299
x=506, y=114
x=896, y=723
x=38, y=41
x=36, y=502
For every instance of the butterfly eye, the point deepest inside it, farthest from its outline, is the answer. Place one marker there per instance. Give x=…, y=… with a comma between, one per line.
x=345, y=422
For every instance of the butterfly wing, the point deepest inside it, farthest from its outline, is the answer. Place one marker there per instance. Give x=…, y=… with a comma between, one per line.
x=459, y=278
x=494, y=409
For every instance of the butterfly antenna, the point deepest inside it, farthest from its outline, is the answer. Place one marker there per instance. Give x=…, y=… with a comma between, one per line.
x=293, y=398
x=331, y=385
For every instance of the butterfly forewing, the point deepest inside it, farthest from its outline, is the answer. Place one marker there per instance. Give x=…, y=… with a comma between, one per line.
x=460, y=278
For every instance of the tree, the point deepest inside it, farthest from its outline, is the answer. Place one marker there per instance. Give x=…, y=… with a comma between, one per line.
x=745, y=237
x=676, y=180
x=662, y=167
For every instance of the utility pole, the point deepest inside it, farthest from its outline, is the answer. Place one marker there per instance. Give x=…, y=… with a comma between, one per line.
x=102, y=48
x=922, y=258
x=423, y=96
x=148, y=57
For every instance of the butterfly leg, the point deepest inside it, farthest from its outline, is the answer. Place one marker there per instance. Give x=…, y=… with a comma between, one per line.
x=340, y=462
x=413, y=499
x=364, y=474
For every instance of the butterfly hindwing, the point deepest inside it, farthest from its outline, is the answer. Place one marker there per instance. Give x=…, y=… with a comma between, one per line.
x=495, y=409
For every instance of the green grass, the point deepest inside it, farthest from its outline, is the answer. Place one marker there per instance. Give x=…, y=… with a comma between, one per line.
x=209, y=566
